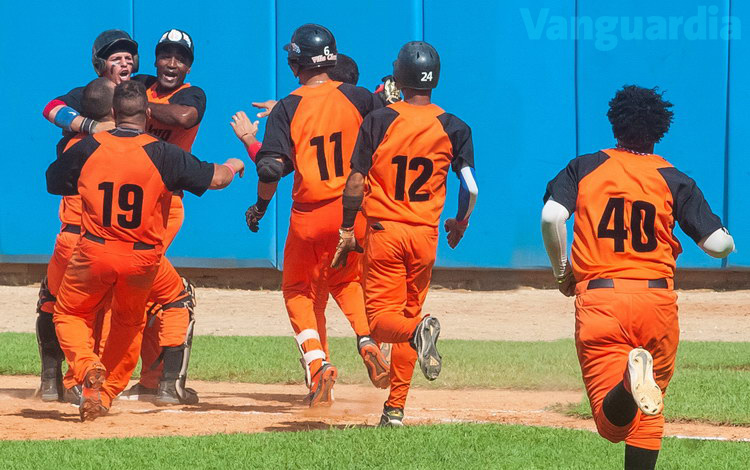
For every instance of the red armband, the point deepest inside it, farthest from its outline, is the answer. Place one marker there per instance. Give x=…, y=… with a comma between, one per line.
x=253, y=150
x=50, y=106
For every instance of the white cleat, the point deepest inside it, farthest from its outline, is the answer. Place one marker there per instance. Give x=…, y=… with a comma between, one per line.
x=646, y=393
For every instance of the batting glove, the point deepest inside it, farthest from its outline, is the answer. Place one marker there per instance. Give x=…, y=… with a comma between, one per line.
x=347, y=244
x=455, y=231
x=253, y=216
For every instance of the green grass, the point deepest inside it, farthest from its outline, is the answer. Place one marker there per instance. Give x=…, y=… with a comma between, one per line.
x=710, y=383
x=445, y=446
x=264, y=359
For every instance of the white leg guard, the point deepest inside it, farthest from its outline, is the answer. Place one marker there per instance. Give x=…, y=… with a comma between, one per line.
x=309, y=356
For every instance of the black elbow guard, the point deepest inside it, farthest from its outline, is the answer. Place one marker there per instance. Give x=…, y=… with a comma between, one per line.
x=270, y=170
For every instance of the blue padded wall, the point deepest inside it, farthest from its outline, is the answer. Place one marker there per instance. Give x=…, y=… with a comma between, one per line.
x=513, y=70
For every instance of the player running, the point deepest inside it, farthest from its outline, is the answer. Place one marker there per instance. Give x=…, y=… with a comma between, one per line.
x=125, y=178
x=315, y=128
x=399, y=169
x=622, y=265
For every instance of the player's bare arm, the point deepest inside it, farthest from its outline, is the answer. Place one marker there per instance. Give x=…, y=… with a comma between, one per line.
x=245, y=130
x=224, y=173
x=174, y=114
x=266, y=106
x=352, y=200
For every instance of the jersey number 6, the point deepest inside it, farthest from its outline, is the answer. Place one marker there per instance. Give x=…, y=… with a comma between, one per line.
x=642, y=219
x=127, y=193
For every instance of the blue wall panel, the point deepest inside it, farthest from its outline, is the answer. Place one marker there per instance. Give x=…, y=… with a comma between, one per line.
x=517, y=94
x=512, y=70
x=692, y=72
x=35, y=70
x=739, y=163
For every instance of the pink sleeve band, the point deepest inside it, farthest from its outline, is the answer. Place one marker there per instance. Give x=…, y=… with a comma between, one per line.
x=50, y=106
x=231, y=168
x=253, y=150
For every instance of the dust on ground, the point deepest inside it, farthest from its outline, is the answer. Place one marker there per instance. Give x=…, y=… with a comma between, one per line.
x=251, y=408
x=523, y=314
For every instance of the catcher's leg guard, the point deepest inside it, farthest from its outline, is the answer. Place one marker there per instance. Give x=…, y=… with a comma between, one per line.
x=50, y=353
x=172, y=389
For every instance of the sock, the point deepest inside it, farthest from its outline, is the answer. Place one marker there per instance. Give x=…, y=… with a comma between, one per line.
x=640, y=459
x=619, y=406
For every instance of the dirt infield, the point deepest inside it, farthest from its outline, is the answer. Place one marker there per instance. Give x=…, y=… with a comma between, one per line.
x=250, y=408
x=523, y=314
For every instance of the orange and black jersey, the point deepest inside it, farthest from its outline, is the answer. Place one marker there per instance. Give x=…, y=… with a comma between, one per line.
x=70, y=211
x=626, y=206
x=315, y=128
x=185, y=95
x=405, y=152
x=125, y=179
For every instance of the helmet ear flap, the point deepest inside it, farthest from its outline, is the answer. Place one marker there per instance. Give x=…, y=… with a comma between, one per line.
x=136, y=63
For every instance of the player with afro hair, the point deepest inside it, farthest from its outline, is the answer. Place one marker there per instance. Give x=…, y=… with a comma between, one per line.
x=640, y=117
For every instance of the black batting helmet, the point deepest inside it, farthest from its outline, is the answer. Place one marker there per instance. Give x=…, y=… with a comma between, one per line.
x=179, y=38
x=312, y=46
x=417, y=66
x=109, y=42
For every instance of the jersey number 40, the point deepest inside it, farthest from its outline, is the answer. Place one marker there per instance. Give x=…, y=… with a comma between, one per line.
x=642, y=219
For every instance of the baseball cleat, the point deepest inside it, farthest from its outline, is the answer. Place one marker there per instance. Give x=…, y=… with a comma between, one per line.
x=72, y=395
x=321, y=385
x=168, y=395
x=91, y=396
x=377, y=367
x=138, y=393
x=425, y=342
x=392, y=417
x=640, y=376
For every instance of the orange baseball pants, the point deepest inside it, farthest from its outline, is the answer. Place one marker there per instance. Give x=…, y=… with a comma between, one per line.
x=96, y=270
x=609, y=324
x=169, y=327
x=307, y=278
x=64, y=246
x=397, y=271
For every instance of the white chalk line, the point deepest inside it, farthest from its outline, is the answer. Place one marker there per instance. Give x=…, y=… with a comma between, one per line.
x=423, y=418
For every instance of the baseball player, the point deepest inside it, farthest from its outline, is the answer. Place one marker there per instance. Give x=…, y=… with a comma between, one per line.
x=114, y=57
x=175, y=111
x=627, y=200
x=125, y=178
x=315, y=128
x=398, y=177
x=96, y=103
